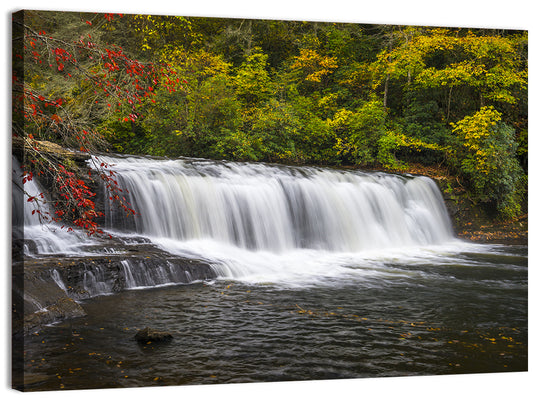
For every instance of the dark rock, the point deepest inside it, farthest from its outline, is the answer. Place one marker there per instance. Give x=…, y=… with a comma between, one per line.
x=46, y=288
x=148, y=335
x=38, y=300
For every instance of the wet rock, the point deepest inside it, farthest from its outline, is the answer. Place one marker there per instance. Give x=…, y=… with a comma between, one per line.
x=148, y=335
x=46, y=289
x=38, y=301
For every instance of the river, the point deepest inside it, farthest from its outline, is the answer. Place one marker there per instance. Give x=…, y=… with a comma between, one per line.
x=320, y=275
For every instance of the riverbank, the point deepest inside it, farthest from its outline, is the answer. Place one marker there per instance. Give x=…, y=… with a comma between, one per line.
x=471, y=221
x=512, y=232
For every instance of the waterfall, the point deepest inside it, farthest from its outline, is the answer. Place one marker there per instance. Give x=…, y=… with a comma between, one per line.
x=247, y=221
x=142, y=275
x=279, y=224
x=260, y=207
x=39, y=238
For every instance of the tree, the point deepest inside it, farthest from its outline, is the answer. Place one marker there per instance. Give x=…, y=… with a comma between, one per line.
x=467, y=69
x=252, y=80
x=359, y=132
x=486, y=157
x=283, y=91
x=61, y=86
x=311, y=70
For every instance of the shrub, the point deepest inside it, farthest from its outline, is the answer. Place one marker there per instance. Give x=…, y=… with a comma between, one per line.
x=486, y=157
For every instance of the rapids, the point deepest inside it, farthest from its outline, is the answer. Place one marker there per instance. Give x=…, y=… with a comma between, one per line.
x=280, y=224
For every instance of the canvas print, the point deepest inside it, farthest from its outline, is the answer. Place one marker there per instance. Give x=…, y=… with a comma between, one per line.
x=221, y=200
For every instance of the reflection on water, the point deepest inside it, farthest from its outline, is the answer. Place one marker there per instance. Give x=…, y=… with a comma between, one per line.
x=466, y=313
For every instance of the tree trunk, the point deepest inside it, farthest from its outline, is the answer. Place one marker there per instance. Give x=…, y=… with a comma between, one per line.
x=449, y=104
x=249, y=38
x=386, y=91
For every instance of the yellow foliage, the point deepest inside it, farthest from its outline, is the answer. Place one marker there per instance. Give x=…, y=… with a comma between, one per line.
x=340, y=118
x=313, y=65
x=474, y=131
x=488, y=63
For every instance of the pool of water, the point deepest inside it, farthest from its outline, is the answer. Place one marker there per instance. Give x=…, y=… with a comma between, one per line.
x=464, y=314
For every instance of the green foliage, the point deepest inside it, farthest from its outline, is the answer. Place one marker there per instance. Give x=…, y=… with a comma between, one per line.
x=238, y=146
x=387, y=145
x=486, y=157
x=309, y=92
x=424, y=119
x=313, y=137
x=252, y=81
x=522, y=151
x=358, y=133
x=276, y=125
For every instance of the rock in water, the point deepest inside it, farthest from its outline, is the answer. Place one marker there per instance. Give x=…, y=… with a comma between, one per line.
x=148, y=334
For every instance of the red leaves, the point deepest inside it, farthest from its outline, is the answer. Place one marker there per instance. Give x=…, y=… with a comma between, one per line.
x=34, y=108
x=62, y=56
x=112, y=60
x=110, y=17
x=119, y=83
x=76, y=203
x=28, y=176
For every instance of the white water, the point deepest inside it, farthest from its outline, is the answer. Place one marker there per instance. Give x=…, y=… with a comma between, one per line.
x=260, y=223
x=46, y=238
x=270, y=224
x=139, y=275
x=279, y=209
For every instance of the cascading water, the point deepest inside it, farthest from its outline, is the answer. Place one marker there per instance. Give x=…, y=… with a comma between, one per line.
x=101, y=269
x=39, y=238
x=277, y=209
x=253, y=220
x=305, y=273
x=141, y=275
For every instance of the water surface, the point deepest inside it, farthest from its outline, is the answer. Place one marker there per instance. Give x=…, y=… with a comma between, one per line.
x=464, y=314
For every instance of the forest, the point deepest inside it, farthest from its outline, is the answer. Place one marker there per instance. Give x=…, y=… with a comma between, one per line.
x=293, y=92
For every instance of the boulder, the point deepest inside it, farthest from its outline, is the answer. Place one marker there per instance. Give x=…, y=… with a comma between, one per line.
x=148, y=335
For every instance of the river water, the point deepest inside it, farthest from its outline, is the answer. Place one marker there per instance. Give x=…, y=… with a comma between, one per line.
x=321, y=275
x=465, y=315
